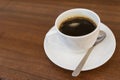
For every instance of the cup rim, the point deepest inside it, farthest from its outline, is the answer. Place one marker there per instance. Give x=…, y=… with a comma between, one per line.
x=82, y=35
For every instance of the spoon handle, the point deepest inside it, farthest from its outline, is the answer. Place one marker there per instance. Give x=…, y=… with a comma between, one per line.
x=77, y=71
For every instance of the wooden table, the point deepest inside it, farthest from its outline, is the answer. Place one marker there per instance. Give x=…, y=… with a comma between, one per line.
x=23, y=25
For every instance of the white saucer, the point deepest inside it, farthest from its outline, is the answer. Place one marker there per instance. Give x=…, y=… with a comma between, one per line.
x=68, y=59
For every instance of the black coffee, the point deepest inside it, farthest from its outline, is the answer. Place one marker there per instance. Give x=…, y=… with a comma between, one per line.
x=77, y=26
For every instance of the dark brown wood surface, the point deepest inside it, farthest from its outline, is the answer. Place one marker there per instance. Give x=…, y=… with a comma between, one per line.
x=23, y=25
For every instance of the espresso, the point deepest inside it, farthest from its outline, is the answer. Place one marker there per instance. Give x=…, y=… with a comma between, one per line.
x=77, y=26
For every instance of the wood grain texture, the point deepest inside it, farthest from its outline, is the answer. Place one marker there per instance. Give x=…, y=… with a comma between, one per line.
x=23, y=25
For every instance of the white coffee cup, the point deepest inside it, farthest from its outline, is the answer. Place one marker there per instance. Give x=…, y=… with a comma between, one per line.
x=78, y=43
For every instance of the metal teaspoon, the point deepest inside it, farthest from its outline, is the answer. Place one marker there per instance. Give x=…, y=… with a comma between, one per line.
x=78, y=69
